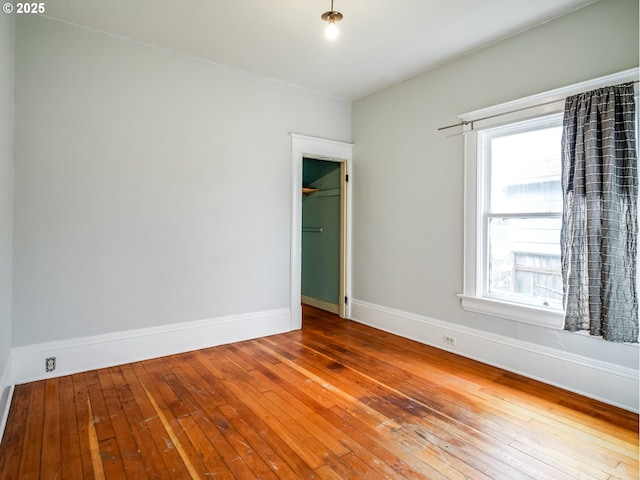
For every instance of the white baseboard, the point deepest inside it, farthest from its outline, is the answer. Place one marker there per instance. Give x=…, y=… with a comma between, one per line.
x=6, y=393
x=606, y=382
x=89, y=353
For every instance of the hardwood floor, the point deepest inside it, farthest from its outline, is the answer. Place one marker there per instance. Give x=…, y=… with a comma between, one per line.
x=336, y=400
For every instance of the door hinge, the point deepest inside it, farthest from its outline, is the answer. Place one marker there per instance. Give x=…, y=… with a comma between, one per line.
x=346, y=178
x=346, y=299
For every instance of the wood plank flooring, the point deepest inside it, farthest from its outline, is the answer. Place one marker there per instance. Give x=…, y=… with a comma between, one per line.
x=336, y=400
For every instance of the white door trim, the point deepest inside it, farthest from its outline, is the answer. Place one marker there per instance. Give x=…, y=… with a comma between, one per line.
x=320, y=148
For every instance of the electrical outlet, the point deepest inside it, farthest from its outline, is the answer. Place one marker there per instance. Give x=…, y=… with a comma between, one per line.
x=448, y=339
x=50, y=364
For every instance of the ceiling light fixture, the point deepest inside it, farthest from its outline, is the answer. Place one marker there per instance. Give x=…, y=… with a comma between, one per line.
x=332, y=17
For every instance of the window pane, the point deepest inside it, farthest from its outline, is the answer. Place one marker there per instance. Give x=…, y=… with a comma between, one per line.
x=524, y=260
x=525, y=172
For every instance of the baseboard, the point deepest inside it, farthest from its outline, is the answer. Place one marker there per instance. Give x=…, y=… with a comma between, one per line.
x=89, y=353
x=6, y=393
x=321, y=304
x=606, y=382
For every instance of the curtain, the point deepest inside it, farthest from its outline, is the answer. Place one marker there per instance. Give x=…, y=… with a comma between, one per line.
x=600, y=227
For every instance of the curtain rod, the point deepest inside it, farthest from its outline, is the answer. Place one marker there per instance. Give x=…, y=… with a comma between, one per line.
x=465, y=122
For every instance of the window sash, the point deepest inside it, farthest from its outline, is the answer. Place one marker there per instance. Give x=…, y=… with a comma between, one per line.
x=485, y=214
x=486, y=261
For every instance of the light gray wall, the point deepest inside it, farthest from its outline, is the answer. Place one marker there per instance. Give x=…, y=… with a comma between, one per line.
x=408, y=186
x=150, y=188
x=6, y=188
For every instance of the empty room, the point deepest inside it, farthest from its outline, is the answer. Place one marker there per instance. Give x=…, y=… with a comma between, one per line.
x=344, y=239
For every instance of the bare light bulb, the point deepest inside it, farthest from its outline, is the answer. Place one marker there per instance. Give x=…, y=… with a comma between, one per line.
x=332, y=31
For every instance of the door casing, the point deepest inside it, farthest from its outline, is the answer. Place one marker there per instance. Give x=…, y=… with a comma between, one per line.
x=322, y=149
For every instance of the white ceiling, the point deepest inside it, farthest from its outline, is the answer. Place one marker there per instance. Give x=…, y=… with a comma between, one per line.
x=380, y=42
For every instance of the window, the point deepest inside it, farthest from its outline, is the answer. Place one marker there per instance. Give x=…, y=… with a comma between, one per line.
x=522, y=211
x=513, y=206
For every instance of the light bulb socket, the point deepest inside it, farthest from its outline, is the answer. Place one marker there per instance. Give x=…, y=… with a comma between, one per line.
x=331, y=16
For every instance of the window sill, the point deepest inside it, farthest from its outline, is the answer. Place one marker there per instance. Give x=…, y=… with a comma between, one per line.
x=520, y=313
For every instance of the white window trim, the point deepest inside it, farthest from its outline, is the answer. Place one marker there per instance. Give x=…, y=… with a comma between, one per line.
x=472, y=298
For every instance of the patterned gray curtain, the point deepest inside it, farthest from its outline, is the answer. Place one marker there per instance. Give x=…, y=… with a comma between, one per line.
x=600, y=228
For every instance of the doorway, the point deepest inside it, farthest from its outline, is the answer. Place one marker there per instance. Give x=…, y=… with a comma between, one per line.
x=323, y=234
x=303, y=146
